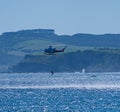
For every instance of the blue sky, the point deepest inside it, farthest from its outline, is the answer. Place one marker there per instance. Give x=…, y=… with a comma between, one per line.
x=65, y=16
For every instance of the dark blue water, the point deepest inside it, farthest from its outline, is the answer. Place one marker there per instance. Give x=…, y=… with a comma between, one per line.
x=62, y=92
x=59, y=100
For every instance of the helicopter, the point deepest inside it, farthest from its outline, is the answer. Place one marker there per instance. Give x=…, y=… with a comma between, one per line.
x=52, y=50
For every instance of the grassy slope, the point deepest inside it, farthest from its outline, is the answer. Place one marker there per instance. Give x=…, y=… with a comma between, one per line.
x=42, y=44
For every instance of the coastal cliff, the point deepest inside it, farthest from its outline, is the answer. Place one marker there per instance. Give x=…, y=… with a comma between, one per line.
x=15, y=46
x=91, y=61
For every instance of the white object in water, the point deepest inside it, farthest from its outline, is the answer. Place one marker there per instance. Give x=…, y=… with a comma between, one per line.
x=83, y=70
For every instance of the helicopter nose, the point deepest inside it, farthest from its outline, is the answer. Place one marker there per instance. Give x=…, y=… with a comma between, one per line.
x=45, y=50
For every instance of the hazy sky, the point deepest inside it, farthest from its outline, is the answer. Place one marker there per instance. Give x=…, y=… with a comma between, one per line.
x=65, y=16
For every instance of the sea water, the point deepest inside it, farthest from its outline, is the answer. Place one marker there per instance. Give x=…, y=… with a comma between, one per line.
x=60, y=92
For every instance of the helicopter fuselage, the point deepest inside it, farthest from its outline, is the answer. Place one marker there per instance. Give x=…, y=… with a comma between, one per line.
x=51, y=50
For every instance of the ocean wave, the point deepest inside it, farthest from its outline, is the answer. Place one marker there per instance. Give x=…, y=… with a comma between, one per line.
x=102, y=86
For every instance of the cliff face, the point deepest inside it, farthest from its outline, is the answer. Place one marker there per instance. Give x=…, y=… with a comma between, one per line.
x=91, y=61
